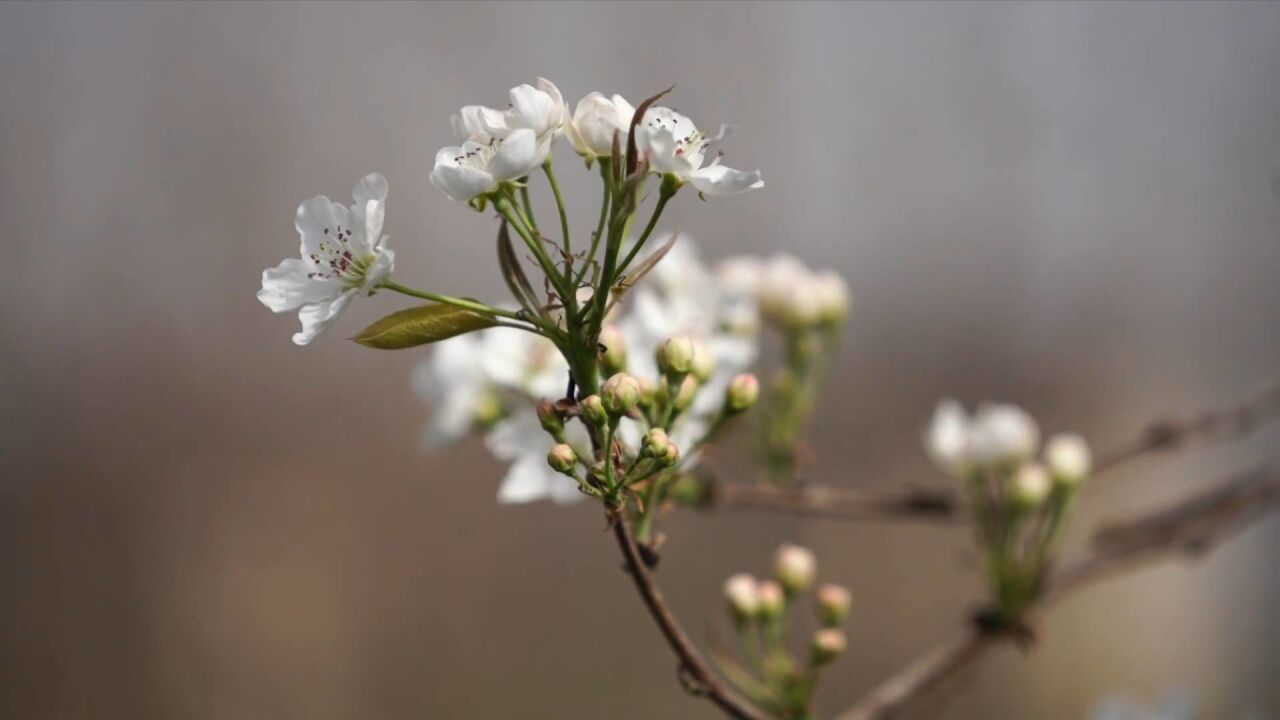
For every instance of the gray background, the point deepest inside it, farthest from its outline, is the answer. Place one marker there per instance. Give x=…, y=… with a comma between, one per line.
x=1073, y=207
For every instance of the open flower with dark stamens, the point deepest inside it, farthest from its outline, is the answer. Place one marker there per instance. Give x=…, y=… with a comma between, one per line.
x=343, y=253
x=674, y=146
x=474, y=168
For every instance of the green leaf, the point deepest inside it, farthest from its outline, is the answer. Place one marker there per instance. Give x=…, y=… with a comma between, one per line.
x=513, y=273
x=421, y=325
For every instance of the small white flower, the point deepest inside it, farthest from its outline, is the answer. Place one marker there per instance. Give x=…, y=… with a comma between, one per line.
x=596, y=120
x=741, y=596
x=673, y=145
x=1002, y=433
x=795, y=567
x=455, y=383
x=1068, y=458
x=476, y=167
x=343, y=253
x=947, y=438
x=539, y=108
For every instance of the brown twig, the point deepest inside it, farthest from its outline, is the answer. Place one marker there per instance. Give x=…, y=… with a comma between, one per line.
x=934, y=503
x=1193, y=526
x=943, y=504
x=697, y=677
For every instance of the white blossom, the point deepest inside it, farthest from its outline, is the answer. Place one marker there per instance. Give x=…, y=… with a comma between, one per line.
x=947, y=439
x=1003, y=433
x=474, y=168
x=596, y=119
x=539, y=108
x=1068, y=458
x=343, y=253
x=673, y=145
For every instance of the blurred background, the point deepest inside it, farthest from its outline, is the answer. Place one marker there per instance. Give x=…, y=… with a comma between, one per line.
x=1075, y=207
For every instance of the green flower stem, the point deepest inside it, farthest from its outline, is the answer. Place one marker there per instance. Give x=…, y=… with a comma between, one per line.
x=606, y=180
x=516, y=219
x=608, y=458
x=644, y=523
x=564, y=217
x=528, y=205
x=666, y=193
x=448, y=300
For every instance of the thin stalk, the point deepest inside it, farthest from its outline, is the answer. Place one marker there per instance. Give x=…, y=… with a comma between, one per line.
x=663, y=197
x=564, y=217
x=449, y=300
x=517, y=221
x=605, y=204
x=528, y=205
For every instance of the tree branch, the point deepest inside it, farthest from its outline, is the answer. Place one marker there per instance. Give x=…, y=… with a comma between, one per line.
x=696, y=676
x=933, y=503
x=1193, y=527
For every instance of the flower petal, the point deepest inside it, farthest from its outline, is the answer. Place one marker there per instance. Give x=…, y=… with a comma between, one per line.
x=716, y=179
x=287, y=286
x=462, y=183
x=379, y=270
x=516, y=157
x=318, y=220
x=369, y=210
x=528, y=479
x=317, y=317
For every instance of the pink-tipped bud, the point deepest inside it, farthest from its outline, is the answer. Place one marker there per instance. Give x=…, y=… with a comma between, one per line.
x=773, y=601
x=621, y=394
x=743, y=392
x=833, y=604
x=551, y=418
x=828, y=644
x=670, y=456
x=795, y=568
x=592, y=409
x=562, y=459
x=655, y=443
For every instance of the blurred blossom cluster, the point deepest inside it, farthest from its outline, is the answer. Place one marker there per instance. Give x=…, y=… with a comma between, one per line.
x=1017, y=502
x=760, y=610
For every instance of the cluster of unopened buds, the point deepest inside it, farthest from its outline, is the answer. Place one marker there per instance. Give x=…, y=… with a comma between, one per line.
x=1017, y=501
x=759, y=608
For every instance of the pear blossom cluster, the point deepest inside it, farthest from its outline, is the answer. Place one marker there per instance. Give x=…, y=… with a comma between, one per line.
x=493, y=383
x=1017, y=500
x=759, y=608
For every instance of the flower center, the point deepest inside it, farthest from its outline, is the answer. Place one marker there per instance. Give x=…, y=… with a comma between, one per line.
x=475, y=155
x=691, y=143
x=334, y=260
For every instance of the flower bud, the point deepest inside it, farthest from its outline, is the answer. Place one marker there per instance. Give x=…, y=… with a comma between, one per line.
x=741, y=597
x=832, y=297
x=772, y=600
x=947, y=439
x=688, y=390
x=1030, y=486
x=592, y=409
x=562, y=459
x=794, y=567
x=675, y=357
x=1003, y=433
x=1068, y=458
x=743, y=392
x=655, y=443
x=834, y=602
x=670, y=456
x=828, y=644
x=551, y=419
x=621, y=394
x=647, y=393
x=704, y=362
x=613, y=356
